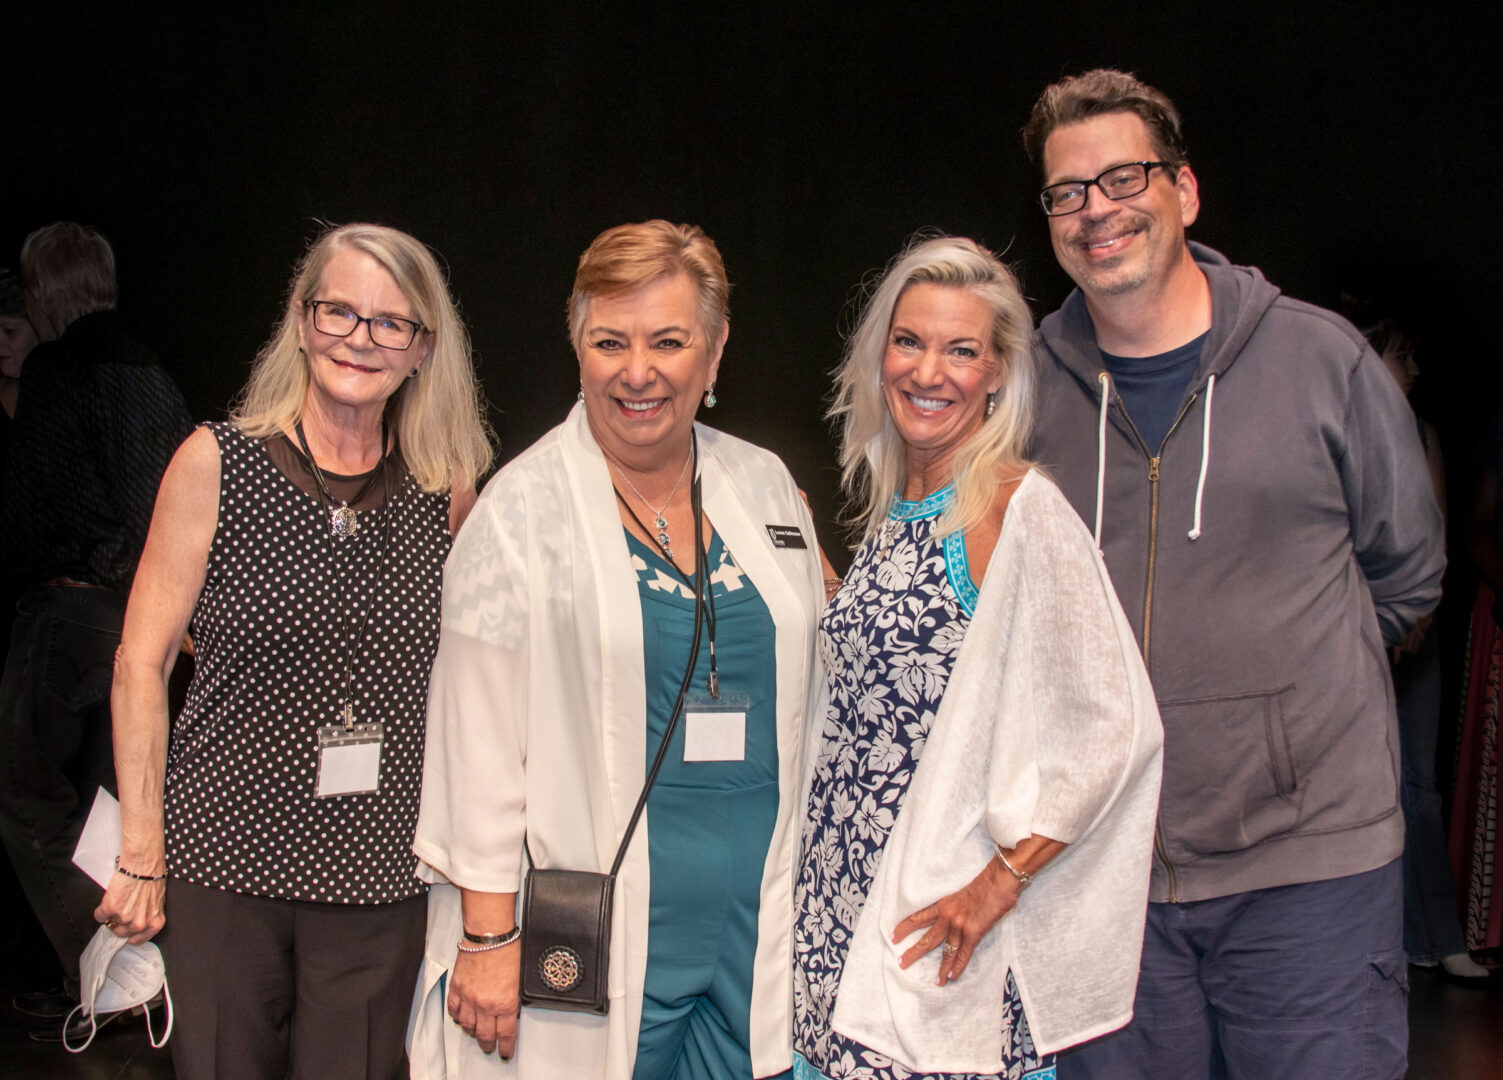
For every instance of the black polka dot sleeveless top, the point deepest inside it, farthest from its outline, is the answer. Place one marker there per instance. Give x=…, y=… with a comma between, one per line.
x=281, y=601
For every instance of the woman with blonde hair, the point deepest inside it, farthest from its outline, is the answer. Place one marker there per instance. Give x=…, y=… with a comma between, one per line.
x=301, y=546
x=634, y=598
x=990, y=721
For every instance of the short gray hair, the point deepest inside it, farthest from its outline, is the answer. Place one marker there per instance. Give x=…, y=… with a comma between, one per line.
x=69, y=269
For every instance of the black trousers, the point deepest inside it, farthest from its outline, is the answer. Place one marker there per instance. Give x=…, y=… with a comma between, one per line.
x=267, y=988
x=55, y=752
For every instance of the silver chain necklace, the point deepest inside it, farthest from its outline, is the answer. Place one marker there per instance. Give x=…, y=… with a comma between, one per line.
x=664, y=541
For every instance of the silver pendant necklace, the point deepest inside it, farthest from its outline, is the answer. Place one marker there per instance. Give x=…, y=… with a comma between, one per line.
x=664, y=541
x=343, y=521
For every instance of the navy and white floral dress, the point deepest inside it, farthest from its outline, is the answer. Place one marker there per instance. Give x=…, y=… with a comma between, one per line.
x=889, y=637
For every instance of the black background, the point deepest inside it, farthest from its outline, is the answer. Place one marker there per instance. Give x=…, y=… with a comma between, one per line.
x=1339, y=147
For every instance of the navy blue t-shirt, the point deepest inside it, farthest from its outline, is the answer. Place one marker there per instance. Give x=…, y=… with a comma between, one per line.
x=1152, y=386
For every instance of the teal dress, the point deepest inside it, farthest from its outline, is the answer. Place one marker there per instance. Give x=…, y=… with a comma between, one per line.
x=709, y=825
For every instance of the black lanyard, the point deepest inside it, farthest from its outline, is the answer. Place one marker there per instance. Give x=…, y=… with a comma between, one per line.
x=702, y=570
x=326, y=502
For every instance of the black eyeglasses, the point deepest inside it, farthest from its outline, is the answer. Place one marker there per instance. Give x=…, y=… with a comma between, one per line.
x=1117, y=183
x=387, y=331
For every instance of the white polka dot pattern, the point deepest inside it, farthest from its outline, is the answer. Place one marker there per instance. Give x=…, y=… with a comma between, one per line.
x=270, y=635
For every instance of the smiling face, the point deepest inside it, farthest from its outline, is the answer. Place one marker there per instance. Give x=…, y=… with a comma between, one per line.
x=352, y=372
x=644, y=364
x=937, y=372
x=17, y=339
x=1114, y=248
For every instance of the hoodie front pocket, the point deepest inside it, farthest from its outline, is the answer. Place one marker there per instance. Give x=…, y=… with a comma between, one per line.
x=1229, y=774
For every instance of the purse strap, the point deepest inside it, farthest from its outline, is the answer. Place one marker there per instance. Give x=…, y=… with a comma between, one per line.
x=701, y=586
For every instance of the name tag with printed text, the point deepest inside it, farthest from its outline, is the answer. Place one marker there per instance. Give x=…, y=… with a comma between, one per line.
x=787, y=536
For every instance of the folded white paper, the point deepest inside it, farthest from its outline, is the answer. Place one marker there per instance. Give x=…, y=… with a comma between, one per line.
x=99, y=845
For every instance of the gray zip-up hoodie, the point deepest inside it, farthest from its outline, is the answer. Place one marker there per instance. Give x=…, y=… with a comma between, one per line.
x=1265, y=553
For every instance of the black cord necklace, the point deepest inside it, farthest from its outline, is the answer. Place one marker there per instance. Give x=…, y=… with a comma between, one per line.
x=347, y=703
x=342, y=519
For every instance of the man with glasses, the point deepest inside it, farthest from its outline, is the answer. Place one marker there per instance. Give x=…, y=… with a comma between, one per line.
x=1257, y=487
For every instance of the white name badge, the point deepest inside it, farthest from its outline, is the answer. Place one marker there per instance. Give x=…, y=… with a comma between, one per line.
x=715, y=728
x=349, y=760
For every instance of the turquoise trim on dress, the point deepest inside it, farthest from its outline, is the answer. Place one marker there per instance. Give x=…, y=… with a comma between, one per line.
x=928, y=506
x=959, y=572
x=802, y=1070
x=956, y=567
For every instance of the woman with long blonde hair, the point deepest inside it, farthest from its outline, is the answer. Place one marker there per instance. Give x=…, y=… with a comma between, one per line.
x=990, y=722
x=301, y=546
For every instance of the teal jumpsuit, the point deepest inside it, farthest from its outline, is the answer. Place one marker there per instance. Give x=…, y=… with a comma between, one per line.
x=709, y=826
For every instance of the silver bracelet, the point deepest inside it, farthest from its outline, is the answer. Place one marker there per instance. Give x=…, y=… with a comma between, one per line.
x=1025, y=879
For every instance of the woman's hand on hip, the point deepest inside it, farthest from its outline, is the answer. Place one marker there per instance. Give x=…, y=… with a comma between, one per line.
x=134, y=910
x=958, y=922
x=483, y=996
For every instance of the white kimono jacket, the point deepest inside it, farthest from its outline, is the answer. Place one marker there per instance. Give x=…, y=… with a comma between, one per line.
x=1048, y=726
x=536, y=721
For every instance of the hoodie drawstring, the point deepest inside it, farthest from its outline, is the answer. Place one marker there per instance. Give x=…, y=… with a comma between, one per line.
x=1205, y=456
x=1205, y=462
x=1101, y=454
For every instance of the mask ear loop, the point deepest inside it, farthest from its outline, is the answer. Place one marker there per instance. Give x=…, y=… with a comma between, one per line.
x=93, y=1030
x=167, y=1008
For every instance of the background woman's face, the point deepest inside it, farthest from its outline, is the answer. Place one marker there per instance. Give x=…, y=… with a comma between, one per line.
x=17, y=339
x=644, y=364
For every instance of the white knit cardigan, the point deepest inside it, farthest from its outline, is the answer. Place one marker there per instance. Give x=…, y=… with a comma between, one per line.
x=1048, y=727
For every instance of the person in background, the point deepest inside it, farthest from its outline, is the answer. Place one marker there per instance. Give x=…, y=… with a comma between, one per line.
x=27, y=943
x=1479, y=764
x=1256, y=484
x=1432, y=926
x=17, y=338
x=567, y=627
x=96, y=420
x=269, y=826
x=987, y=768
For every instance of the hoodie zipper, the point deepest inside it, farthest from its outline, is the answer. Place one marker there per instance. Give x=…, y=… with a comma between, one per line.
x=1153, y=519
x=1159, y=847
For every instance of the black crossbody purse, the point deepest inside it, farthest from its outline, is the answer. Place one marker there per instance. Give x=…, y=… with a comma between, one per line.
x=566, y=914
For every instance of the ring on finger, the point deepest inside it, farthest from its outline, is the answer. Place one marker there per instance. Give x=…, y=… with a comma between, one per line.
x=950, y=949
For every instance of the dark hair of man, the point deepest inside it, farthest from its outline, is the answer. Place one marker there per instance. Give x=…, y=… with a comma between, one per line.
x=1097, y=93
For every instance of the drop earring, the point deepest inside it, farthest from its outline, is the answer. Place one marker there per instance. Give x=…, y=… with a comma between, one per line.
x=710, y=398
x=991, y=402
x=581, y=391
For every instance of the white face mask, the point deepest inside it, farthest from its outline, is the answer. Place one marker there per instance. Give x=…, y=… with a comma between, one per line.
x=113, y=977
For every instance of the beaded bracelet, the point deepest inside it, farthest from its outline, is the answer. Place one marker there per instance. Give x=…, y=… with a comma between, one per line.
x=138, y=877
x=499, y=944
